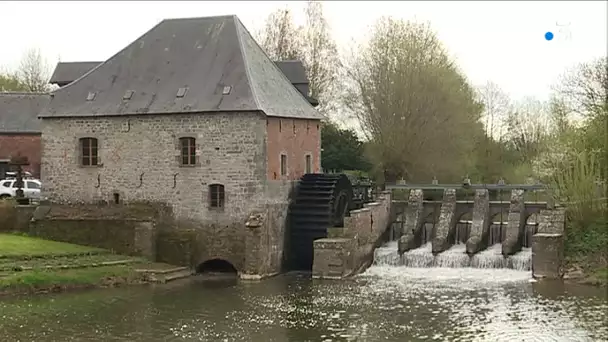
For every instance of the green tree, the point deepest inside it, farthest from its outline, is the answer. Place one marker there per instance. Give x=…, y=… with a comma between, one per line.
x=417, y=110
x=11, y=83
x=341, y=149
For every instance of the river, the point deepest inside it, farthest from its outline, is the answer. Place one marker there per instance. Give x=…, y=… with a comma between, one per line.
x=387, y=303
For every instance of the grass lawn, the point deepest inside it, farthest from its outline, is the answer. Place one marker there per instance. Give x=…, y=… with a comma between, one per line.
x=24, y=246
x=39, y=279
x=29, y=264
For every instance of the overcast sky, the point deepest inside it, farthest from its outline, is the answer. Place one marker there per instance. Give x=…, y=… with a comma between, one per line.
x=494, y=41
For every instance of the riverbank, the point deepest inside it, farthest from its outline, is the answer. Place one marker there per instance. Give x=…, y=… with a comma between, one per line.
x=586, y=271
x=30, y=265
x=586, y=253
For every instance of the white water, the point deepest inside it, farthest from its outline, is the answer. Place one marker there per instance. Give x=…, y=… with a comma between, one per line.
x=455, y=257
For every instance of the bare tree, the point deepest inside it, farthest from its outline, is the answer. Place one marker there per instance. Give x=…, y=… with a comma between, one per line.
x=416, y=109
x=585, y=88
x=320, y=55
x=528, y=127
x=280, y=37
x=497, y=106
x=33, y=71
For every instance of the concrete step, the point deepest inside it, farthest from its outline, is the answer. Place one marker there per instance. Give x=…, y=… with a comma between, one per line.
x=166, y=275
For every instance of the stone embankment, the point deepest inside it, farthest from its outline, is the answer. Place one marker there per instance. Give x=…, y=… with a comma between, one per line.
x=349, y=250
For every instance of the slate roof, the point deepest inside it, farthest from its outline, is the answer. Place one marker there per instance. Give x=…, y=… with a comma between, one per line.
x=204, y=55
x=19, y=112
x=294, y=70
x=67, y=72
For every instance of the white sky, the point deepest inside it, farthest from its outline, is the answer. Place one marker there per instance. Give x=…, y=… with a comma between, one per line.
x=494, y=41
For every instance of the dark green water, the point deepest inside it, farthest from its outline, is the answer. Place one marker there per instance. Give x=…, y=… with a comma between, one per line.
x=385, y=304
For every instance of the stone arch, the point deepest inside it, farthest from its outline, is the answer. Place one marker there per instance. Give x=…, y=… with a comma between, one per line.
x=216, y=266
x=530, y=228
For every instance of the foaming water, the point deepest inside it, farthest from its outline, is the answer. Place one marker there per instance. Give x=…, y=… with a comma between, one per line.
x=454, y=257
x=489, y=303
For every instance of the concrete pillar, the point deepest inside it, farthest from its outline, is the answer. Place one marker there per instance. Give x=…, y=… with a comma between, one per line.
x=481, y=222
x=447, y=222
x=410, y=236
x=253, y=267
x=547, y=255
x=552, y=221
x=333, y=258
x=515, y=223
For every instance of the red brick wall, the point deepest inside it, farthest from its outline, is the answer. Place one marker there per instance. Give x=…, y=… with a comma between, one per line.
x=295, y=138
x=26, y=144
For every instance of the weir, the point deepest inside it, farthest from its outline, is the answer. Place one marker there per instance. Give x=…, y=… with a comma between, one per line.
x=496, y=234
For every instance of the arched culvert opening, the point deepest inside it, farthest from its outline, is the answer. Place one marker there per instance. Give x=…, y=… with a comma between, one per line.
x=216, y=266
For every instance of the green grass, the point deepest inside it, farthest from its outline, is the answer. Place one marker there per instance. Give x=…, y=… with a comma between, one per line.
x=33, y=280
x=25, y=262
x=74, y=260
x=24, y=246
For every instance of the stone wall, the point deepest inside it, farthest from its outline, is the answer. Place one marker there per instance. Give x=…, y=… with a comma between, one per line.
x=126, y=231
x=15, y=218
x=265, y=236
x=139, y=161
x=131, y=237
x=350, y=249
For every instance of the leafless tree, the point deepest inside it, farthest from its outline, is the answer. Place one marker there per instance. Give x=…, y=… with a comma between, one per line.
x=497, y=106
x=320, y=55
x=33, y=71
x=585, y=88
x=414, y=106
x=528, y=126
x=280, y=37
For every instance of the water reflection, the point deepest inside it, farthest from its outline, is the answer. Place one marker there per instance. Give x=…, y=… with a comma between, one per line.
x=386, y=303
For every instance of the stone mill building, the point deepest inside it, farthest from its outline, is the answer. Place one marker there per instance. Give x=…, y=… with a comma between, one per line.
x=194, y=115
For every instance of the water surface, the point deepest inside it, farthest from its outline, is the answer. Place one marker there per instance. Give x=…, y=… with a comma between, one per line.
x=387, y=303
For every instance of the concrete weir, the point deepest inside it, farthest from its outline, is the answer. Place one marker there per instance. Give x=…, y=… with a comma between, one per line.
x=530, y=239
x=516, y=223
x=480, y=227
x=412, y=229
x=444, y=233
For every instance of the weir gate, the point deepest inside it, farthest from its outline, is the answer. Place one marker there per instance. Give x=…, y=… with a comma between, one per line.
x=473, y=216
